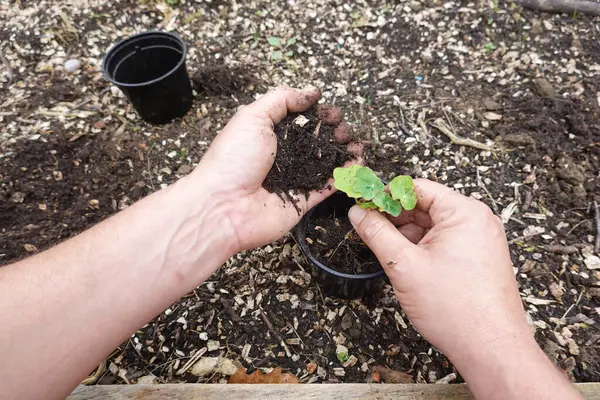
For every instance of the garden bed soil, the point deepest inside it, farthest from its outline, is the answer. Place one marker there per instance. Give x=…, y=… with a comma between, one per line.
x=334, y=242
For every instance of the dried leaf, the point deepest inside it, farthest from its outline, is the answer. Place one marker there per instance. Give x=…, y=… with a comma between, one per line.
x=276, y=376
x=591, y=261
x=538, y=302
x=30, y=248
x=210, y=365
x=527, y=266
x=557, y=290
x=375, y=377
x=392, y=376
x=492, y=116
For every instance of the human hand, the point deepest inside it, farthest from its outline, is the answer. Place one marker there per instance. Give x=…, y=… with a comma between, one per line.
x=238, y=161
x=449, y=264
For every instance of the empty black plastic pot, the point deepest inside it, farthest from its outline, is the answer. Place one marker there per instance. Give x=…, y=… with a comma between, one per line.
x=334, y=283
x=150, y=70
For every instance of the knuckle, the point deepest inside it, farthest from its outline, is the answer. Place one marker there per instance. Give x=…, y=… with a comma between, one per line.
x=482, y=209
x=371, y=228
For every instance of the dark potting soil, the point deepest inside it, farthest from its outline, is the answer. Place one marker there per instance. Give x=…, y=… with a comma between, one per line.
x=221, y=80
x=304, y=161
x=336, y=244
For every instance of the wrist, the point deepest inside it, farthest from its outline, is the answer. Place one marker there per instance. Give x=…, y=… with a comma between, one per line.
x=202, y=237
x=511, y=368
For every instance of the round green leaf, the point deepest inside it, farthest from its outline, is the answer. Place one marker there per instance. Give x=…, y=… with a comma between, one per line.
x=274, y=41
x=385, y=203
x=367, y=183
x=344, y=180
x=402, y=189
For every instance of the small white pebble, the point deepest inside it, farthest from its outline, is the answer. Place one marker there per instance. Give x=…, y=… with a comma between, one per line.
x=72, y=65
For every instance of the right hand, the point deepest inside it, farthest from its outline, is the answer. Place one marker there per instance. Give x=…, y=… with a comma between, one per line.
x=450, y=267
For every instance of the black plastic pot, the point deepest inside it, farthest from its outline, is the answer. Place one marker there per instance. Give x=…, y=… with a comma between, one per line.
x=150, y=70
x=334, y=283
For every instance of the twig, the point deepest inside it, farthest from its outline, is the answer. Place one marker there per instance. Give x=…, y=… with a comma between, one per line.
x=405, y=130
x=423, y=126
x=562, y=6
x=192, y=360
x=297, y=334
x=455, y=139
x=275, y=333
x=10, y=72
x=339, y=244
x=528, y=200
x=560, y=249
x=597, y=218
x=576, y=225
x=317, y=129
x=481, y=184
x=98, y=373
x=375, y=138
x=150, y=166
x=572, y=306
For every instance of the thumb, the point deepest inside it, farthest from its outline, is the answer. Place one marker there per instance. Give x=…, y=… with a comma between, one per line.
x=389, y=245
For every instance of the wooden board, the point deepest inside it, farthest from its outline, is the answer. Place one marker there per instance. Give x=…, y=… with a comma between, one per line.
x=345, y=391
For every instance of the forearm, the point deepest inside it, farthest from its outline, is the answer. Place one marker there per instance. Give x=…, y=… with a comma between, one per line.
x=65, y=309
x=517, y=370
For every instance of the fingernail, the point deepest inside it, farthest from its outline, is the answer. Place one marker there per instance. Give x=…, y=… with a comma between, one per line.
x=356, y=214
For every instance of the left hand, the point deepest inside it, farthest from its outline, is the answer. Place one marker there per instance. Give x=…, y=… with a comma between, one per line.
x=238, y=161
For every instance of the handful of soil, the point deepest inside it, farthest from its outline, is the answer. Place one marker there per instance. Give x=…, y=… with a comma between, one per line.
x=310, y=145
x=335, y=243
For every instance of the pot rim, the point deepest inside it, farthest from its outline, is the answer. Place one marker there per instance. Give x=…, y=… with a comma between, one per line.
x=301, y=236
x=127, y=41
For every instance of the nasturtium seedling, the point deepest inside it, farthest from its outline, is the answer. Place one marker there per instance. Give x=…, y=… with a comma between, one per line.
x=385, y=202
x=367, y=183
x=274, y=41
x=402, y=188
x=344, y=180
x=362, y=184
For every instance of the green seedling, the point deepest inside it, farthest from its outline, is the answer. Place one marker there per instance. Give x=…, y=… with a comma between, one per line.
x=489, y=47
x=282, y=47
x=362, y=184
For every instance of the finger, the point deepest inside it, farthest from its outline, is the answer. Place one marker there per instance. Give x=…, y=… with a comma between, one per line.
x=294, y=207
x=439, y=201
x=356, y=149
x=390, y=246
x=412, y=232
x=279, y=102
x=315, y=197
x=330, y=115
x=342, y=134
x=415, y=216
